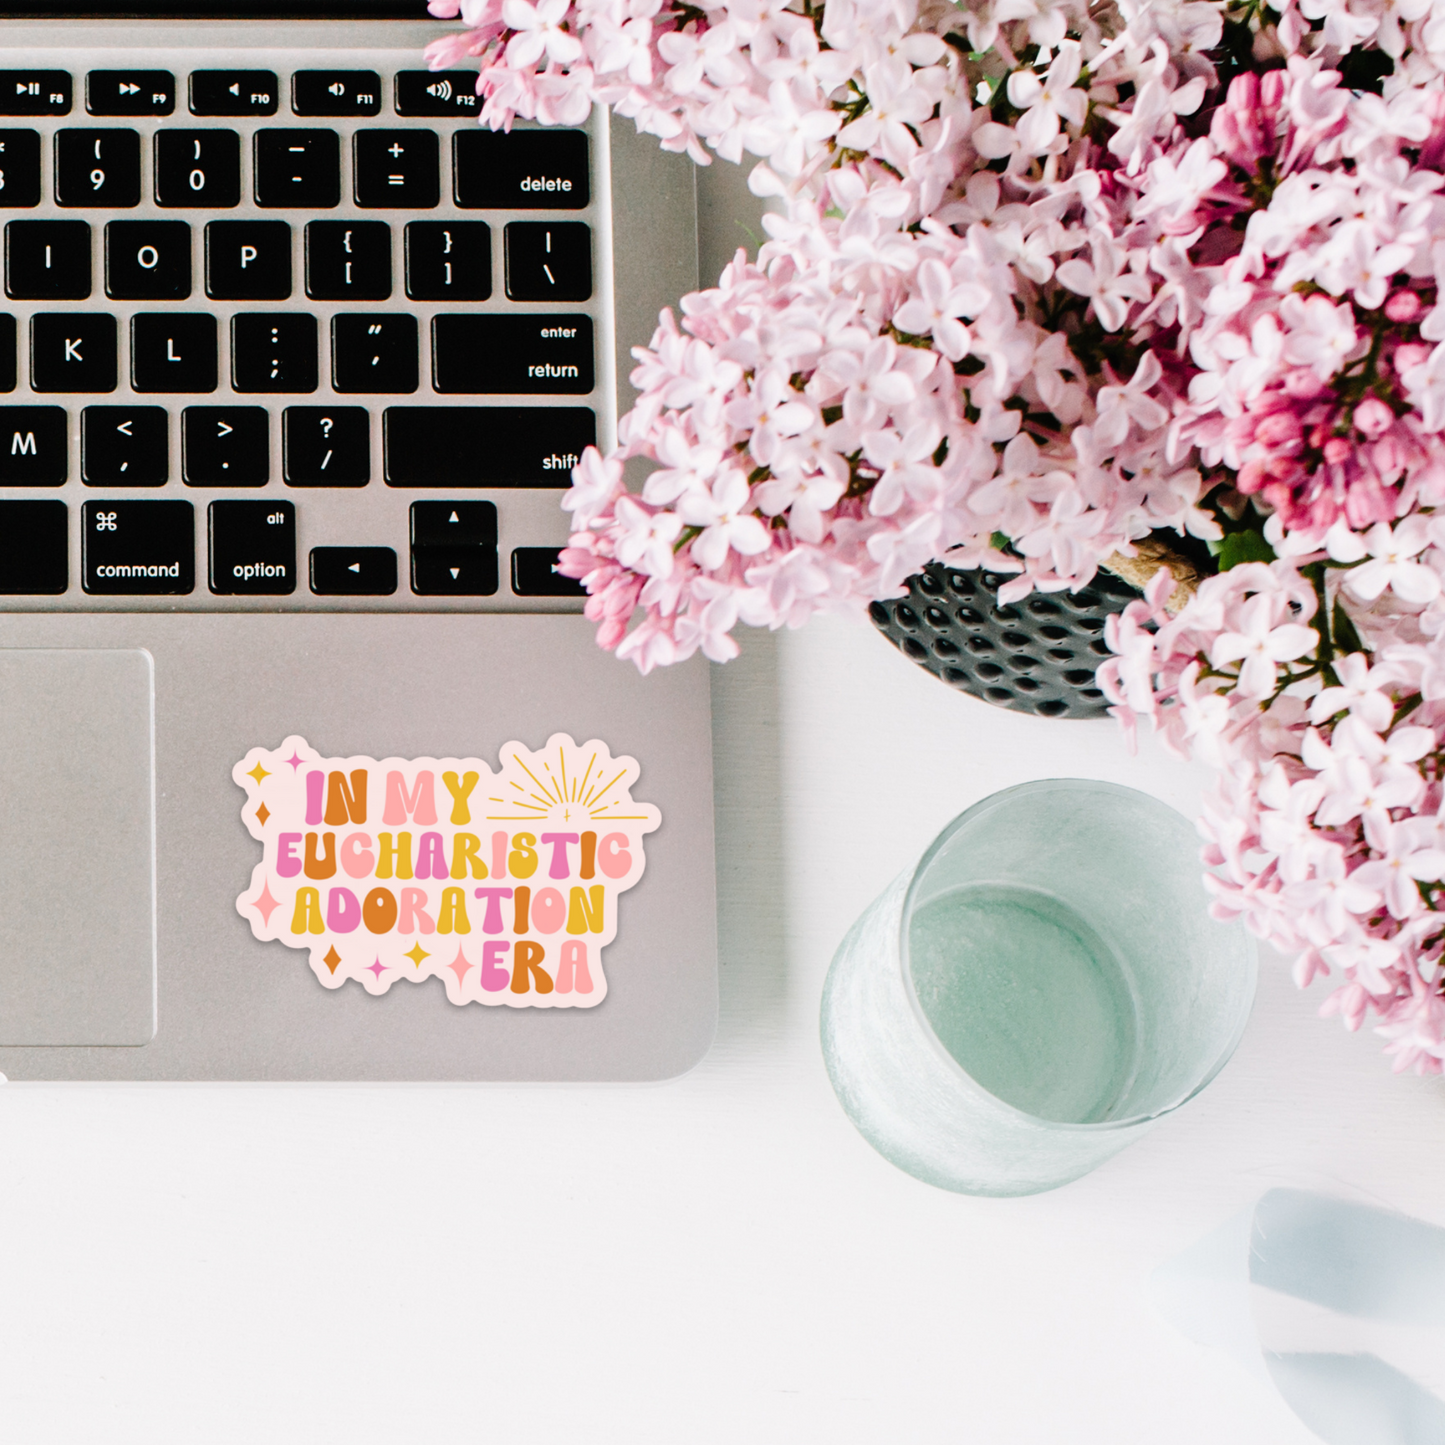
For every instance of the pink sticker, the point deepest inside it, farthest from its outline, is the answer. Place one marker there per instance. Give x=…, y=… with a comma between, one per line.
x=503, y=884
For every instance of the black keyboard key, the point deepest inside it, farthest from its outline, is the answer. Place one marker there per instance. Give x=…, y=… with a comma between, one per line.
x=273, y=351
x=298, y=168
x=520, y=170
x=396, y=168
x=253, y=548
x=34, y=446
x=148, y=260
x=248, y=260
x=353, y=571
x=453, y=549
x=524, y=355
x=132, y=548
x=19, y=168
x=374, y=353
x=8, y=371
x=454, y=571
x=549, y=261
x=448, y=260
x=234, y=92
x=534, y=574
x=453, y=524
x=97, y=168
x=124, y=446
x=430, y=92
x=34, y=92
x=47, y=260
x=336, y=92
x=326, y=446
x=130, y=92
x=348, y=260
x=72, y=351
x=485, y=446
x=198, y=168
x=173, y=351
x=34, y=548
x=225, y=446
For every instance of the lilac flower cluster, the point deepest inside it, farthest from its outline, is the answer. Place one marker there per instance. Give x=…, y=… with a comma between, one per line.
x=1047, y=277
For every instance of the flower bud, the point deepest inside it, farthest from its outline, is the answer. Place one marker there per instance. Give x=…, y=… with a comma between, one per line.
x=1412, y=354
x=1404, y=305
x=1337, y=450
x=1373, y=417
x=1302, y=383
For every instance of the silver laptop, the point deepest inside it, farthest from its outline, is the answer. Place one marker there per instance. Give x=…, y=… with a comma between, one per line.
x=295, y=360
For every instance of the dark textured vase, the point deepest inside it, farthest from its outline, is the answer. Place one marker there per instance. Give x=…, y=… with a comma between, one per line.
x=1037, y=656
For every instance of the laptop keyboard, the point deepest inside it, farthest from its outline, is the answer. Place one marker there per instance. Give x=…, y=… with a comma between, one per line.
x=289, y=338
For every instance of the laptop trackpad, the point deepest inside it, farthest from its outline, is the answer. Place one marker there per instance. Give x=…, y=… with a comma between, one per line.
x=77, y=849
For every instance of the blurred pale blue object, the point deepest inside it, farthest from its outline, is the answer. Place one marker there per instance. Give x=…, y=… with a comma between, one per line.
x=1037, y=991
x=1338, y=1303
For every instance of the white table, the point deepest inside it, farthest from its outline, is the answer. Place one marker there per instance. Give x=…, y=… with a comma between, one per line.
x=719, y=1259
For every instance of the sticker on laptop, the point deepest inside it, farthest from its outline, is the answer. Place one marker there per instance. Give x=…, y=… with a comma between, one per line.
x=503, y=884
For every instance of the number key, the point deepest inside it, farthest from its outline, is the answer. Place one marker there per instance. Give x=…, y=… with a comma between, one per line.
x=19, y=168
x=198, y=168
x=97, y=168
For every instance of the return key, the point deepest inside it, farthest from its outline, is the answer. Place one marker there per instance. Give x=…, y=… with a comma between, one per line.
x=512, y=355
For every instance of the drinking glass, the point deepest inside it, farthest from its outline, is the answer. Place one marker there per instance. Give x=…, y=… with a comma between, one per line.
x=1042, y=987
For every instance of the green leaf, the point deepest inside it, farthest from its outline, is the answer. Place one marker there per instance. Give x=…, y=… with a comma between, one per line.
x=1000, y=540
x=1248, y=546
x=1346, y=638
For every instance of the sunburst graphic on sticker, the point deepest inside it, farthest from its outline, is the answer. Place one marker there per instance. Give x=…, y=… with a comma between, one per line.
x=502, y=883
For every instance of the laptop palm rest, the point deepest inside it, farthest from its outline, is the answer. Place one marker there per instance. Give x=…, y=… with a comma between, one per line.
x=77, y=848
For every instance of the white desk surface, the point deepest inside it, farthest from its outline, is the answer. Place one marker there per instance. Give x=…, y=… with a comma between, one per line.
x=718, y=1259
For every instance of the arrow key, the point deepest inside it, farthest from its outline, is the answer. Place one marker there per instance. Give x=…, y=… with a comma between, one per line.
x=353, y=571
x=453, y=524
x=124, y=446
x=225, y=446
x=454, y=571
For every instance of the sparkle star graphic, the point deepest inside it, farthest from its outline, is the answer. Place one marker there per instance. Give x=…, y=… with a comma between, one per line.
x=376, y=969
x=262, y=813
x=332, y=958
x=294, y=760
x=416, y=954
x=265, y=905
x=460, y=965
x=258, y=772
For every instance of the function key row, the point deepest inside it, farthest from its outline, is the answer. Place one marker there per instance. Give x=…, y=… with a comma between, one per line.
x=131, y=549
x=240, y=92
x=390, y=170
x=344, y=260
x=372, y=353
x=321, y=446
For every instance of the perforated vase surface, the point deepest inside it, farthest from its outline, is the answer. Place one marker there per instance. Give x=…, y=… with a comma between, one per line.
x=1037, y=656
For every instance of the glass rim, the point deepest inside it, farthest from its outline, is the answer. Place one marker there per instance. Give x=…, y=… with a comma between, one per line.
x=949, y=1062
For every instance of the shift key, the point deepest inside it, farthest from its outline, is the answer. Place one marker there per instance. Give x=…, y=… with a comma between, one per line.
x=529, y=355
